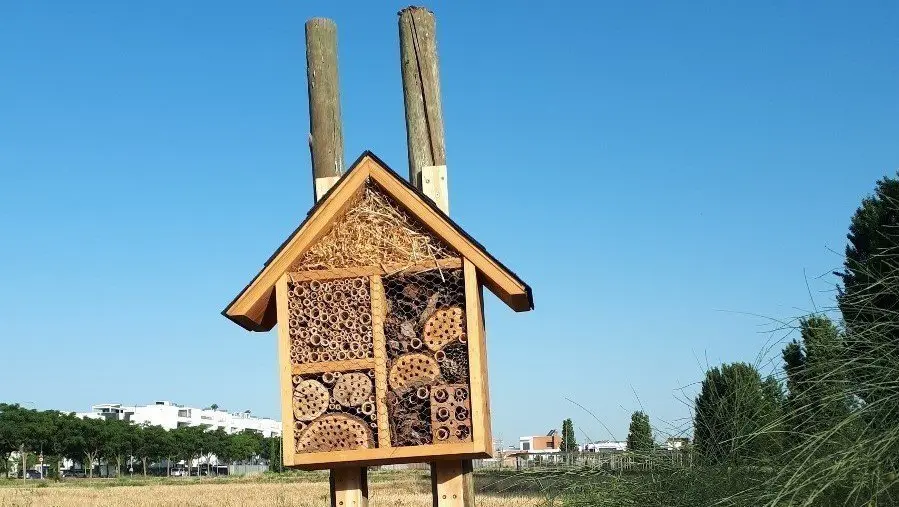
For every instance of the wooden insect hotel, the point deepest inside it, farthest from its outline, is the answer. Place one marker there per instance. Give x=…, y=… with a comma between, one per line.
x=378, y=301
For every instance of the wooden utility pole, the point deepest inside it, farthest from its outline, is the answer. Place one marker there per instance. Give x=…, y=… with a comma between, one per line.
x=325, y=127
x=451, y=480
x=421, y=94
x=349, y=485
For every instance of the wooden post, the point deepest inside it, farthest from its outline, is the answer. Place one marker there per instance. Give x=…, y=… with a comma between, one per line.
x=451, y=484
x=451, y=480
x=421, y=91
x=349, y=485
x=325, y=128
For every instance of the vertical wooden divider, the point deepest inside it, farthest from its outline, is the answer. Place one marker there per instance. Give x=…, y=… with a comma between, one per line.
x=477, y=359
x=379, y=344
x=288, y=446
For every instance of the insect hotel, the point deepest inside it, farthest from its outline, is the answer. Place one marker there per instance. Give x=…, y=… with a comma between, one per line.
x=381, y=344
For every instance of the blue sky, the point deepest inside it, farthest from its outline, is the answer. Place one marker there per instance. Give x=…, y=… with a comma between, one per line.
x=666, y=177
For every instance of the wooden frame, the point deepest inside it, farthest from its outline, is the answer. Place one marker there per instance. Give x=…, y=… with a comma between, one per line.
x=481, y=445
x=477, y=359
x=286, y=370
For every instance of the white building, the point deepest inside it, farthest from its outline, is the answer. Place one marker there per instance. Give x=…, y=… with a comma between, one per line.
x=604, y=446
x=550, y=443
x=676, y=443
x=170, y=416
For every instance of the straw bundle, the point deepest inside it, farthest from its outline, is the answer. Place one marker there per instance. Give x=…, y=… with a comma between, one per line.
x=374, y=232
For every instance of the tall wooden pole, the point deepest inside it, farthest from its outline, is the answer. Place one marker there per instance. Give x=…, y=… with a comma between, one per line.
x=349, y=485
x=421, y=91
x=451, y=480
x=325, y=128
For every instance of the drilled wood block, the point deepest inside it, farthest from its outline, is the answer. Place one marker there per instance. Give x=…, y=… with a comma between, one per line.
x=451, y=413
x=443, y=327
x=413, y=369
x=335, y=432
x=352, y=389
x=310, y=400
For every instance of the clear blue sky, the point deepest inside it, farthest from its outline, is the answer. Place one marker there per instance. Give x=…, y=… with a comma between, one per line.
x=653, y=170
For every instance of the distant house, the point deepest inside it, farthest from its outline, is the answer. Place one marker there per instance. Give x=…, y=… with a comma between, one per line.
x=604, y=446
x=551, y=442
x=676, y=443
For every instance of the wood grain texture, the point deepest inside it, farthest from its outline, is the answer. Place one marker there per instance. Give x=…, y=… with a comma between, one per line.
x=325, y=128
x=286, y=375
x=349, y=487
x=477, y=360
x=387, y=269
x=411, y=454
x=322, y=185
x=452, y=483
x=435, y=185
x=488, y=417
x=379, y=343
x=321, y=367
x=421, y=90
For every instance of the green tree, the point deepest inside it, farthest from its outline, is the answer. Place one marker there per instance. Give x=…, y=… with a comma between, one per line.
x=218, y=443
x=189, y=442
x=569, y=442
x=818, y=392
x=65, y=434
x=12, y=436
x=40, y=430
x=89, y=442
x=639, y=435
x=172, y=449
x=244, y=446
x=869, y=297
x=737, y=413
x=153, y=442
x=272, y=452
x=117, y=443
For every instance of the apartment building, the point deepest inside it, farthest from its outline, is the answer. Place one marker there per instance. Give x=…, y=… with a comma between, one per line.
x=171, y=415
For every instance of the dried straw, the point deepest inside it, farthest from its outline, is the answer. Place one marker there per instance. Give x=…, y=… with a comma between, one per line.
x=374, y=232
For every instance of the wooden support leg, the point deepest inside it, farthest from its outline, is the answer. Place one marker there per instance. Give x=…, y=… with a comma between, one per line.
x=349, y=487
x=452, y=484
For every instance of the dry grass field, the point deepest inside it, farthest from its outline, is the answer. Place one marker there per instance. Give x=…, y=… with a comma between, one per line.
x=393, y=490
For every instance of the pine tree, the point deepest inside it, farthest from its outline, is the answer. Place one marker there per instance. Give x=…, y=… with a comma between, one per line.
x=737, y=414
x=639, y=436
x=818, y=398
x=569, y=442
x=868, y=299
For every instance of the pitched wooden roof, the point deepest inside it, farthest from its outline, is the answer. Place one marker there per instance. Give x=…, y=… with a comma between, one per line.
x=254, y=308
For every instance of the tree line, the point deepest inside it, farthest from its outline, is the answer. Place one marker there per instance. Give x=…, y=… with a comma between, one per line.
x=58, y=436
x=828, y=421
x=821, y=429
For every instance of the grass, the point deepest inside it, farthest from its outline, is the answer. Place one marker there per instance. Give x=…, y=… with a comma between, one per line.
x=387, y=488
